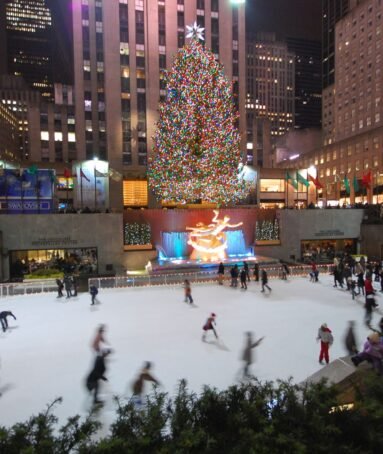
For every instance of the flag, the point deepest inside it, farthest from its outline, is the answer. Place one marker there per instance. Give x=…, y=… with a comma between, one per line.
x=53, y=178
x=67, y=173
x=367, y=179
x=82, y=175
x=355, y=184
x=291, y=180
x=32, y=170
x=302, y=180
x=99, y=174
x=346, y=183
x=114, y=175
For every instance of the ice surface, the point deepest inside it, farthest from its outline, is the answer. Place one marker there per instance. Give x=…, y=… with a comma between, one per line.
x=47, y=352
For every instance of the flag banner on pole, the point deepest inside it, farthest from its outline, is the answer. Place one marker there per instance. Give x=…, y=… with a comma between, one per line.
x=82, y=175
x=302, y=180
x=367, y=179
x=114, y=175
x=316, y=182
x=355, y=184
x=291, y=180
x=67, y=173
x=346, y=183
x=99, y=174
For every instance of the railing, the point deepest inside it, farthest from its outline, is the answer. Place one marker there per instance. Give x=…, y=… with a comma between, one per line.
x=27, y=288
x=176, y=279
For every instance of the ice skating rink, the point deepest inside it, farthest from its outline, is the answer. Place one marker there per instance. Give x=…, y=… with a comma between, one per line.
x=47, y=351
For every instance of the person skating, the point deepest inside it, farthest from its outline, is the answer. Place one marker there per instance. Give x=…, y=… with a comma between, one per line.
x=97, y=374
x=60, y=288
x=3, y=319
x=264, y=280
x=93, y=292
x=247, y=356
x=368, y=286
x=246, y=268
x=221, y=273
x=74, y=285
x=360, y=283
x=369, y=306
x=285, y=271
x=138, y=384
x=68, y=286
x=314, y=273
x=380, y=326
x=326, y=339
x=372, y=352
x=350, y=339
x=209, y=325
x=256, y=272
x=234, y=272
x=187, y=289
x=243, y=277
x=99, y=339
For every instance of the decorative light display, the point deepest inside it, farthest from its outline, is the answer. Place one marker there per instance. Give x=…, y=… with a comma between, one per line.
x=137, y=234
x=197, y=146
x=209, y=241
x=267, y=230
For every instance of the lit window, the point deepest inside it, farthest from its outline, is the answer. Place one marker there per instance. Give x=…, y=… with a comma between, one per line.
x=135, y=193
x=71, y=137
x=44, y=135
x=58, y=136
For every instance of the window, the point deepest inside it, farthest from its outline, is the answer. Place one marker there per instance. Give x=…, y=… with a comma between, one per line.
x=272, y=185
x=135, y=193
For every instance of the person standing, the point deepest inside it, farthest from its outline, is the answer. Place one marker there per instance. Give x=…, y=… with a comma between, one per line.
x=246, y=268
x=326, y=339
x=60, y=287
x=368, y=286
x=99, y=339
x=360, y=283
x=187, y=288
x=369, y=307
x=256, y=272
x=209, y=325
x=221, y=273
x=247, y=356
x=285, y=271
x=264, y=280
x=94, y=292
x=350, y=339
x=97, y=374
x=243, y=277
x=74, y=285
x=68, y=286
x=138, y=385
x=3, y=319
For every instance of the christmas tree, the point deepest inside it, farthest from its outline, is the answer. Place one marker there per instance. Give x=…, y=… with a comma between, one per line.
x=196, y=153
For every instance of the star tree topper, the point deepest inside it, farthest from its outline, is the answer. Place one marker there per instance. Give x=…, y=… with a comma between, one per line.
x=195, y=31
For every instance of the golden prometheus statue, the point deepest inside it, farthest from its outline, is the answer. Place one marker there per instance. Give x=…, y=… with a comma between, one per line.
x=209, y=241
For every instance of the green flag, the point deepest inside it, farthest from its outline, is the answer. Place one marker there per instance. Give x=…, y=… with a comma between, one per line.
x=53, y=177
x=356, y=184
x=32, y=170
x=346, y=183
x=291, y=180
x=302, y=180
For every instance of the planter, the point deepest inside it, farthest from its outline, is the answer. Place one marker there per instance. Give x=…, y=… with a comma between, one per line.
x=138, y=247
x=268, y=242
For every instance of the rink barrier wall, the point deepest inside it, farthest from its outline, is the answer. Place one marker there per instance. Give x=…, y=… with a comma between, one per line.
x=176, y=279
x=27, y=288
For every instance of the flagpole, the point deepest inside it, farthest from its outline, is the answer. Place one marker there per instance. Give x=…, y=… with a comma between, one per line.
x=95, y=190
x=296, y=178
x=81, y=188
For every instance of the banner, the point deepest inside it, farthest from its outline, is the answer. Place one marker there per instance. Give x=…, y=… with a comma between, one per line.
x=22, y=191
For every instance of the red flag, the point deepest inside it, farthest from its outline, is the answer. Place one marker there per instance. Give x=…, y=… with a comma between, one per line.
x=67, y=173
x=316, y=181
x=82, y=175
x=367, y=179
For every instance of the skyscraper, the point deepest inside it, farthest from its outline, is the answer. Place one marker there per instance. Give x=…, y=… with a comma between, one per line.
x=308, y=82
x=33, y=43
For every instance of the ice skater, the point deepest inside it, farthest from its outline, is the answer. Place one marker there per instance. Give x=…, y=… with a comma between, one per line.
x=93, y=292
x=285, y=271
x=221, y=273
x=247, y=356
x=209, y=325
x=138, y=385
x=350, y=339
x=97, y=374
x=3, y=319
x=256, y=272
x=369, y=306
x=188, y=295
x=246, y=268
x=68, y=286
x=99, y=339
x=326, y=339
x=264, y=280
x=243, y=278
x=60, y=288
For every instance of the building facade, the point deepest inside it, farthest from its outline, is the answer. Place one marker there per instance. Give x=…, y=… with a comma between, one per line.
x=121, y=51
x=270, y=93
x=308, y=82
x=9, y=144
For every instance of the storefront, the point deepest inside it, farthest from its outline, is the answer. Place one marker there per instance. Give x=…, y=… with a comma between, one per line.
x=46, y=262
x=324, y=250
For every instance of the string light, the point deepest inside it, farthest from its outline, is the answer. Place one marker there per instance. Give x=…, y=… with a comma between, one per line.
x=197, y=146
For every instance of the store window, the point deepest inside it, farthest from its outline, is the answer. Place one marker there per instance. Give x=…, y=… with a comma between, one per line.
x=272, y=185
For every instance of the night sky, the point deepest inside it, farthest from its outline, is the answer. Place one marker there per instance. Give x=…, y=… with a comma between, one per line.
x=288, y=18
